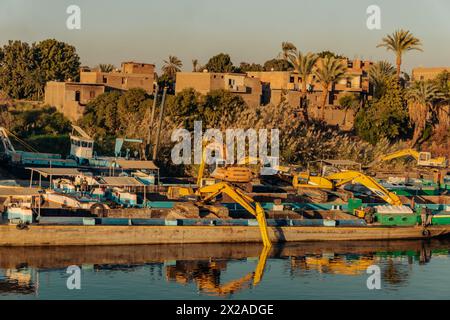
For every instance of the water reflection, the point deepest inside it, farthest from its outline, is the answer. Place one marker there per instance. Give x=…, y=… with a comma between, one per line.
x=205, y=266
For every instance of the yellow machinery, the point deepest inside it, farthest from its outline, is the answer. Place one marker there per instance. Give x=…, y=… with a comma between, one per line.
x=423, y=159
x=336, y=180
x=333, y=265
x=224, y=172
x=205, y=194
x=209, y=193
x=208, y=281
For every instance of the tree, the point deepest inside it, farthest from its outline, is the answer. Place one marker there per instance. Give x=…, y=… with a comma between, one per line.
x=442, y=81
x=379, y=74
x=328, y=54
x=288, y=49
x=277, y=65
x=303, y=65
x=330, y=71
x=386, y=117
x=194, y=65
x=18, y=63
x=101, y=116
x=422, y=98
x=247, y=67
x=29, y=120
x=172, y=66
x=220, y=107
x=220, y=63
x=349, y=102
x=103, y=67
x=25, y=69
x=184, y=108
x=400, y=42
x=58, y=61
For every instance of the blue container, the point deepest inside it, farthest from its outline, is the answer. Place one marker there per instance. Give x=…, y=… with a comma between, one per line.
x=148, y=222
x=232, y=222
x=115, y=221
x=277, y=222
x=61, y=220
x=195, y=222
x=308, y=222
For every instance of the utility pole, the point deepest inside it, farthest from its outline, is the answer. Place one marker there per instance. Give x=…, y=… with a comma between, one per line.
x=152, y=119
x=158, y=133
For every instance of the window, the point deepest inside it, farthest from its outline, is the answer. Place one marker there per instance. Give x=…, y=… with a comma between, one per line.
x=124, y=80
x=291, y=79
x=92, y=94
x=349, y=83
x=77, y=96
x=105, y=80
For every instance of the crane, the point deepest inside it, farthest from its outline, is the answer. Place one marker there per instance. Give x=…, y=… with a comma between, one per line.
x=423, y=158
x=339, y=179
x=205, y=194
x=209, y=193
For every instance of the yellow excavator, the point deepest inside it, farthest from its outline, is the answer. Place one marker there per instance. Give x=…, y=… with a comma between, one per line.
x=333, y=181
x=208, y=282
x=423, y=159
x=206, y=194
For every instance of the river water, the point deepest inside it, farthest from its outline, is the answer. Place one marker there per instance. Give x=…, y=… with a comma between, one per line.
x=319, y=270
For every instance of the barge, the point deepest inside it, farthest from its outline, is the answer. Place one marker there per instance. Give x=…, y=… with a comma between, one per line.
x=73, y=235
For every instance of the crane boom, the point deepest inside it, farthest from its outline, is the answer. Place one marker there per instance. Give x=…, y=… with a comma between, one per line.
x=210, y=192
x=345, y=177
x=336, y=180
x=422, y=158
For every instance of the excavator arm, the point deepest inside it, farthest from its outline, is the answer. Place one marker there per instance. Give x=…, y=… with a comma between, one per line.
x=400, y=154
x=242, y=283
x=210, y=192
x=341, y=178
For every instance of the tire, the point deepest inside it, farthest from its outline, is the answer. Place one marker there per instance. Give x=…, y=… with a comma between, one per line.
x=98, y=210
x=426, y=233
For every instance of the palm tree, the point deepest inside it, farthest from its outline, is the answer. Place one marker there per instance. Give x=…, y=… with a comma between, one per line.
x=103, y=67
x=379, y=73
x=330, y=71
x=194, y=65
x=422, y=97
x=172, y=66
x=303, y=65
x=287, y=50
x=400, y=42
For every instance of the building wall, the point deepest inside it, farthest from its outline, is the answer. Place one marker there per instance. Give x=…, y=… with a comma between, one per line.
x=425, y=74
x=138, y=68
x=119, y=80
x=205, y=82
x=132, y=75
x=277, y=80
x=71, y=98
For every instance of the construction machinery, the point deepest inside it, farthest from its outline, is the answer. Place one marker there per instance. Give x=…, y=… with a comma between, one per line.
x=334, y=181
x=207, y=193
x=206, y=274
x=424, y=159
x=30, y=158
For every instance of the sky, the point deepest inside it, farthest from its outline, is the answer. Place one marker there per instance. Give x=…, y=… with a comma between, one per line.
x=249, y=30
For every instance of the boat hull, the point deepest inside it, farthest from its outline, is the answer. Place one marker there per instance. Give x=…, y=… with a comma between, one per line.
x=65, y=235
